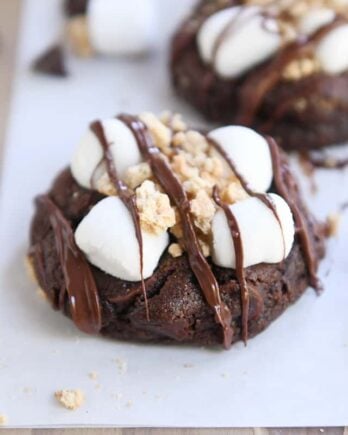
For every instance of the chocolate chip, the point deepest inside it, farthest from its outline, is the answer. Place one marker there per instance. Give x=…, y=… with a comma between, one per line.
x=51, y=62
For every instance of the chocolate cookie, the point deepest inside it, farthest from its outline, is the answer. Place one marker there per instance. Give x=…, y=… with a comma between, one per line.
x=160, y=233
x=279, y=66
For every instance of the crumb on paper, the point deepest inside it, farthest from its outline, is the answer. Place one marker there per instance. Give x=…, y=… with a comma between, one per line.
x=122, y=365
x=333, y=224
x=29, y=267
x=93, y=375
x=70, y=399
x=78, y=36
x=129, y=403
x=3, y=420
x=188, y=365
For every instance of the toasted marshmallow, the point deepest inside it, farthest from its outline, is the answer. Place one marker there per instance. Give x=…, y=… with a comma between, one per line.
x=249, y=152
x=263, y=239
x=315, y=19
x=332, y=51
x=89, y=153
x=107, y=237
x=121, y=27
x=247, y=39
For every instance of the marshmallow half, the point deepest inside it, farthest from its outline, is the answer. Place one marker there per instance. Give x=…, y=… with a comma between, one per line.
x=106, y=235
x=314, y=19
x=332, y=51
x=249, y=152
x=89, y=153
x=121, y=27
x=263, y=239
x=251, y=39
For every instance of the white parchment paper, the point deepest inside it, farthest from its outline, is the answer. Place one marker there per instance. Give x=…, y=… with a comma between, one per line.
x=293, y=374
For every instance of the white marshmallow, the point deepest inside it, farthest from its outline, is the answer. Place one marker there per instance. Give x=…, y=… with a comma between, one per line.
x=251, y=40
x=261, y=235
x=332, y=51
x=250, y=153
x=315, y=19
x=121, y=27
x=107, y=237
x=124, y=150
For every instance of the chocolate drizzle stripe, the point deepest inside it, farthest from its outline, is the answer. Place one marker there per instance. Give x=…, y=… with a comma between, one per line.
x=172, y=186
x=79, y=281
x=261, y=82
x=126, y=196
x=239, y=254
x=282, y=173
x=233, y=224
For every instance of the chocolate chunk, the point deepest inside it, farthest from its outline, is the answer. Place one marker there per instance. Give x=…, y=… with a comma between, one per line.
x=51, y=62
x=75, y=7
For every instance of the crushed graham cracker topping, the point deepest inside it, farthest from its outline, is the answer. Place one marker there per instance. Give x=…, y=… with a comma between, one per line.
x=70, y=399
x=197, y=165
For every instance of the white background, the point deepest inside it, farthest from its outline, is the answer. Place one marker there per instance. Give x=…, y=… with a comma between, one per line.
x=295, y=373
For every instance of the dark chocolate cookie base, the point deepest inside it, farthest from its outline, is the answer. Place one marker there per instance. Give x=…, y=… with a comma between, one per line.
x=178, y=311
x=319, y=121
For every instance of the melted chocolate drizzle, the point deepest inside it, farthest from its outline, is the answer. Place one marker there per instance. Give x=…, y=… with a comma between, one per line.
x=281, y=173
x=233, y=224
x=239, y=252
x=172, y=186
x=79, y=281
x=126, y=196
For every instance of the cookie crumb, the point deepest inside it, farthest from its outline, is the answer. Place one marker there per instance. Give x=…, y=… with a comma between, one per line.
x=3, y=420
x=129, y=403
x=333, y=224
x=78, y=36
x=93, y=376
x=122, y=365
x=70, y=399
x=175, y=250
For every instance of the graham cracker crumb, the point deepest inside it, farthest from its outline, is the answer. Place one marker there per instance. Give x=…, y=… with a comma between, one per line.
x=160, y=132
x=70, y=399
x=300, y=68
x=136, y=175
x=333, y=224
x=203, y=210
x=122, y=365
x=78, y=36
x=156, y=213
x=29, y=267
x=104, y=185
x=175, y=250
x=93, y=376
x=3, y=420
